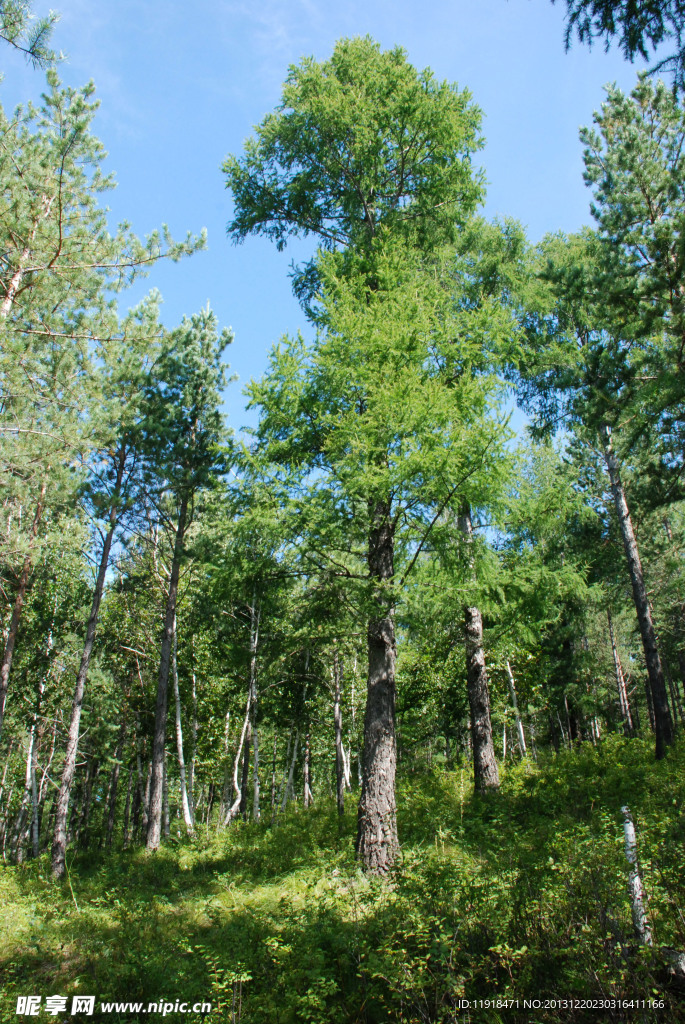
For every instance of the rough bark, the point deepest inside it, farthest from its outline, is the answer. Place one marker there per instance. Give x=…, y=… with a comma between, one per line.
x=18, y=607
x=485, y=772
x=663, y=725
x=154, y=827
x=59, y=843
x=377, y=843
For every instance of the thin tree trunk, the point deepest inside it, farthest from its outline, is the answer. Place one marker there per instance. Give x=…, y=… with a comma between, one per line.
x=623, y=701
x=59, y=843
x=226, y=791
x=17, y=845
x=84, y=822
x=17, y=609
x=377, y=843
x=234, y=809
x=114, y=784
x=676, y=706
x=289, y=787
x=127, y=809
x=254, y=641
x=339, y=753
x=193, y=752
x=273, y=774
x=165, y=797
x=185, y=802
x=307, y=799
x=146, y=799
x=284, y=780
x=486, y=775
x=246, y=772
x=662, y=715
x=514, y=702
x=154, y=828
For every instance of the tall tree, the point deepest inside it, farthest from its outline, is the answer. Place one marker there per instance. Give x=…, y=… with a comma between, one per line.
x=123, y=365
x=181, y=430
x=363, y=148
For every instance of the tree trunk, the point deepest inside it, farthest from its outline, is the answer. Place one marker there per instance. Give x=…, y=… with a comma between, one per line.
x=193, y=752
x=154, y=828
x=165, y=797
x=83, y=828
x=643, y=931
x=246, y=772
x=273, y=774
x=663, y=725
x=254, y=641
x=289, y=786
x=377, y=843
x=127, y=809
x=59, y=843
x=339, y=753
x=17, y=609
x=307, y=799
x=234, y=809
x=485, y=773
x=623, y=701
x=514, y=702
x=185, y=802
x=114, y=784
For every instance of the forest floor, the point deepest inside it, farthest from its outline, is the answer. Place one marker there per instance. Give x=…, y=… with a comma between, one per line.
x=520, y=896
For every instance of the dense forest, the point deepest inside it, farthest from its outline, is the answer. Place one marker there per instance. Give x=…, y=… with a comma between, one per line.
x=373, y=711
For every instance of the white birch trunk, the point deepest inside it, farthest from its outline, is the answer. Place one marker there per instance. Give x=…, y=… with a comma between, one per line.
x=643, y=931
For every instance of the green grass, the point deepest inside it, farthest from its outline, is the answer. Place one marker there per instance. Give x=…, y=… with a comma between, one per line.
x=520, y=895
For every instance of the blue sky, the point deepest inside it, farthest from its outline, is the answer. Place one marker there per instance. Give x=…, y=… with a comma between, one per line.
x=181, y=86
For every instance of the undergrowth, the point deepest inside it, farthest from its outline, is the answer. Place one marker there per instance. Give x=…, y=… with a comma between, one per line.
x=520, y=895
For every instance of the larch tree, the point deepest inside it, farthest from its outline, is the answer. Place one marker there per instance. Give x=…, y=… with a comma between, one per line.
x=364, y=430
x=363, y=149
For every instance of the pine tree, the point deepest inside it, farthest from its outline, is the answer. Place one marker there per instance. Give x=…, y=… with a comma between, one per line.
x=180, y=432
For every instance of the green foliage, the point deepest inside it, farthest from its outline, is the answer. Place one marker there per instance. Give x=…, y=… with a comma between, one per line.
x=640, y=25
x=359, y=141
x=28, y=34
